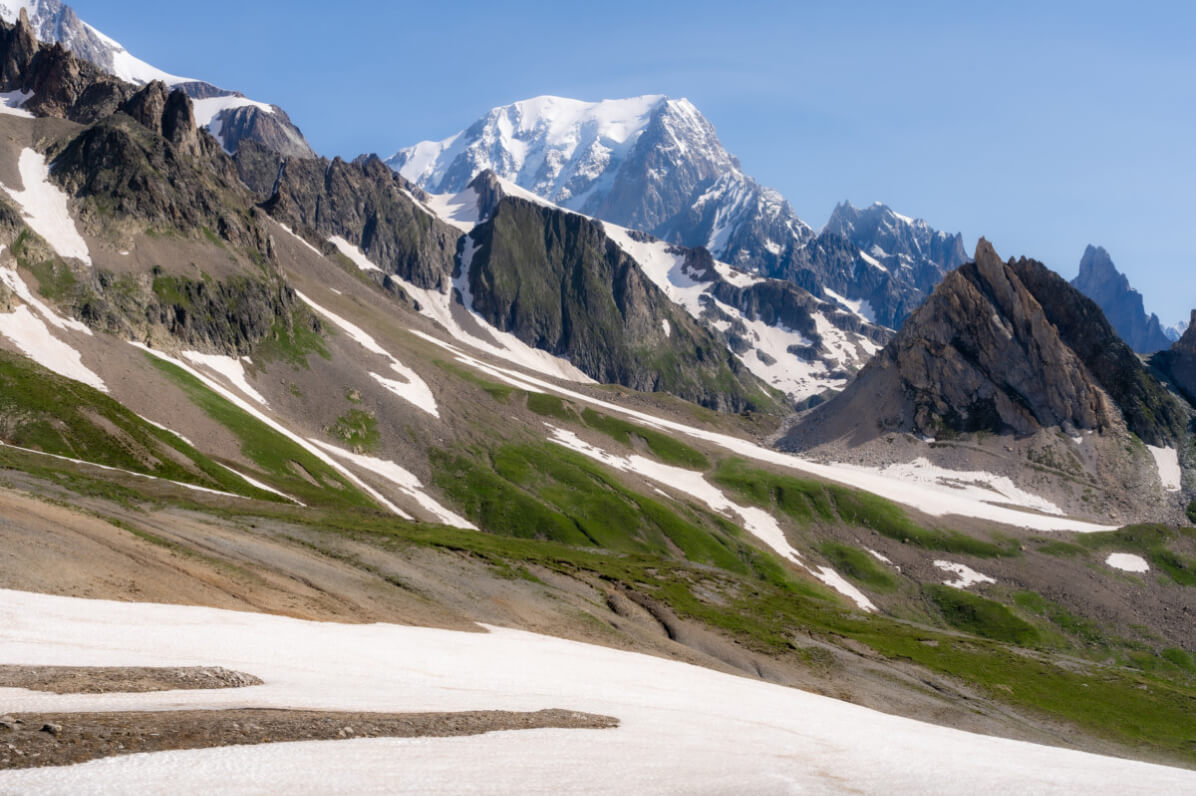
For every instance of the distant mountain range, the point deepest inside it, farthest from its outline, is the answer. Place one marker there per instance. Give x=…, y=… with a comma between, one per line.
x=656, y=164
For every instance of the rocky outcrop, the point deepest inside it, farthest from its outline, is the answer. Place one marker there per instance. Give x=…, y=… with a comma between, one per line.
x=1149, y=411
x=58, y=26
x=1007, y=348
x=1100, y=281
x=272, y=130
x=363, y=202
x=59, y=84
x=119, y=167
x=556, y=281
x=230, y=317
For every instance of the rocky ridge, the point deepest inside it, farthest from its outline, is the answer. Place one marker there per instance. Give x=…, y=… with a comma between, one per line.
x=231, y=117
x=1009, y=362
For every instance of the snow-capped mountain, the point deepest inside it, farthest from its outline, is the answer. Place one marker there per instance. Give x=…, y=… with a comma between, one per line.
x=649, y=163
x=656, y=165
x=54, y=21
x=1175, y=331
x=229, y=115
x=901, y=244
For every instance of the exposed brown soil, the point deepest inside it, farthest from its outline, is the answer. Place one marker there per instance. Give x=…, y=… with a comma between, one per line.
x=120, y=679
x=33, y=740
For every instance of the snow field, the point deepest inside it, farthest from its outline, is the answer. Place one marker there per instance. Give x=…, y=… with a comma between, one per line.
x=44, y=207
x=27, y=332
x=207, y=109
x=565, y=149
x=683, y=729
x=459, y=209
x=11, y=102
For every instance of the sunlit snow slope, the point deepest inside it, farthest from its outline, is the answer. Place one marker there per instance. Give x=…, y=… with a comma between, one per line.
x=683, y=729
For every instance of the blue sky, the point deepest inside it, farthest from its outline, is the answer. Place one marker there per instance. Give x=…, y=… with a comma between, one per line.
x=1044, y=126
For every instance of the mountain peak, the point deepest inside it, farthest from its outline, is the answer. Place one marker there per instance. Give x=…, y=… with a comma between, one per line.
x=1096, y=265
x=1100, y=281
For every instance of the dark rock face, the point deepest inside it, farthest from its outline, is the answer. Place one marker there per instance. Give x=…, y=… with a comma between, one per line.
x=1100, y=281
x=20, y=46
x=1004, y=348
x=148, y=105
x=167, y=113
x=186, y=184
x=559, y=284
x=1178, y=364
x=363, y=202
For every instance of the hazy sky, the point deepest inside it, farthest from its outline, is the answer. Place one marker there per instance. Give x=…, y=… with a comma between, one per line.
x=1042, y=125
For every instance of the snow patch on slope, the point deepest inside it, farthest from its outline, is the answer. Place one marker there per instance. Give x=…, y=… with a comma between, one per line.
x=11, y=102
x=858, y=307
x=1167, y=461
x=12, y=280
x=207, y=109
x=233, y=370
x=976, y=484
x=758, y=522
x=457, y=209
x=28, y=333
x=246, y=406
x=965, y=576
x=44, y=207
x=407, y=483
x=353, y=253
x=412, y=388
